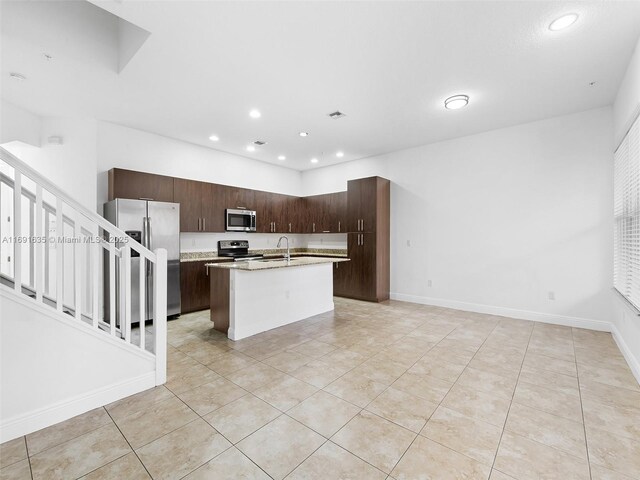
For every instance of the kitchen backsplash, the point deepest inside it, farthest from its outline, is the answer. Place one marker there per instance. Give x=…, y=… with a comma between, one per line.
x=207, y=242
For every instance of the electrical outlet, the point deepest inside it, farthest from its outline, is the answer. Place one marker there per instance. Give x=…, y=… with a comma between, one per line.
x=429, y=283
x=552, y=295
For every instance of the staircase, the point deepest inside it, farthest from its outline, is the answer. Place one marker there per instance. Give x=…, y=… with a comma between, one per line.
x=67, y=343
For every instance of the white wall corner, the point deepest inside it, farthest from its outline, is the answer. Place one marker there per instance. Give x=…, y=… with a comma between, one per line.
x=626, y=106
x=633, y=359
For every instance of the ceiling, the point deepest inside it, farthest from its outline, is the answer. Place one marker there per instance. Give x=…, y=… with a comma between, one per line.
x=387, y=65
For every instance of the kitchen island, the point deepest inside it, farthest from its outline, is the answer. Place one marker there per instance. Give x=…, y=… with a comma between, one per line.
x=255, y=296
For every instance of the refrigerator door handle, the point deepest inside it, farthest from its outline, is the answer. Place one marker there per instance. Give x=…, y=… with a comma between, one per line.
x=149, y=234
x=144, y=231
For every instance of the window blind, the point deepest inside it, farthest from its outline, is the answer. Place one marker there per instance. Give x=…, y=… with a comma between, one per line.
x=626, y=211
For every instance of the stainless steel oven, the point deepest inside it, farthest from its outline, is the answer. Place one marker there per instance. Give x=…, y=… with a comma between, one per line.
x=240, y=220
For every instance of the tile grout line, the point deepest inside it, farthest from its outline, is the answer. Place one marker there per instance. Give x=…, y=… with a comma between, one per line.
x=26, y=446
x=130, y=446
x=506, y=418
x=584, y=425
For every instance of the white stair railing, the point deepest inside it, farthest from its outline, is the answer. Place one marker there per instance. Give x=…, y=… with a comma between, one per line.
x=58, y=253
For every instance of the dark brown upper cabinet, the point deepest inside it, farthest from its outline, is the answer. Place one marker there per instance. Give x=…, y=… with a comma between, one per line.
x=201, y=205
x=363, y=198
x=240, y=198
x=139, y=185
x=189, y=194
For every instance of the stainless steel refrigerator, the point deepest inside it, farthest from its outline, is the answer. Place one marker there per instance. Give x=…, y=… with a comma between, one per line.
x=154, y=225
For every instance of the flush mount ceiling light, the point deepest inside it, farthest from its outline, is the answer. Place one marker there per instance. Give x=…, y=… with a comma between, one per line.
x=281, y=157
x=563, y=22
x=214, y=138
x=303, y=134
x=314, y=160
x=339, y=154
x=251, y=148
x=456, y=102
x=17, y=76
x=255, y=114
x=259, y=143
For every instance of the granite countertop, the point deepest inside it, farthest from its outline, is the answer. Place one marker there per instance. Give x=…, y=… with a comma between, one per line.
x=254, y=265
x=295, y=252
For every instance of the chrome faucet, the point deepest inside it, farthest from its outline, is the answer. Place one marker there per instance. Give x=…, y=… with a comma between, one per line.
x=287, y=256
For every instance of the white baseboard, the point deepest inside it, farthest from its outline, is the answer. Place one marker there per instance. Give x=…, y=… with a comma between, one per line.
x=632, y=360
x=50, y=415
x=567, y=321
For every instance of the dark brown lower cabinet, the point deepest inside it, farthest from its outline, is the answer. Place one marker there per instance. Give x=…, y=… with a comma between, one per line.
x=194, y=286
x=366, y=276
x=340, y=273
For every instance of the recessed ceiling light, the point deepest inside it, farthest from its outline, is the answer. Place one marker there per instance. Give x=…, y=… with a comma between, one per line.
x=563, y=22
x=281, y=157
x=457, y=101
x=251, y=148
x=303, y=134
x=314, y=160
x=339, y=154
x=17, y=76
x=214, y=138
x=255, y=114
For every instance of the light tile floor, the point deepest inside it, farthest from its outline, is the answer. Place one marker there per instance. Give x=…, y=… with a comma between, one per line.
x=371, y=391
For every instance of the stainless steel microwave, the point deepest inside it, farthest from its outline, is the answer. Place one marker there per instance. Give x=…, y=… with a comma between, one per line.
x=240, y=220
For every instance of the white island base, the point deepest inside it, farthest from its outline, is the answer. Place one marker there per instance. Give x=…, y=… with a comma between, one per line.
x=247, y=301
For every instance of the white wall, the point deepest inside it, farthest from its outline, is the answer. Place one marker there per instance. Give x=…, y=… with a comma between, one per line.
x=498, y=220
x=18, y=124
x=132, y=149
x=71, y=166
x=627, y=102
x=625, y=109
x=52, y=370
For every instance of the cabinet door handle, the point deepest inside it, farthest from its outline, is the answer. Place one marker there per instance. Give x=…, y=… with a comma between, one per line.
x=204, y=224
x=362, y=239
x=289, y=228
x=199, y=224
x=338, y=227
x=326, y=231
x=314, y=228
x=362, y=225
